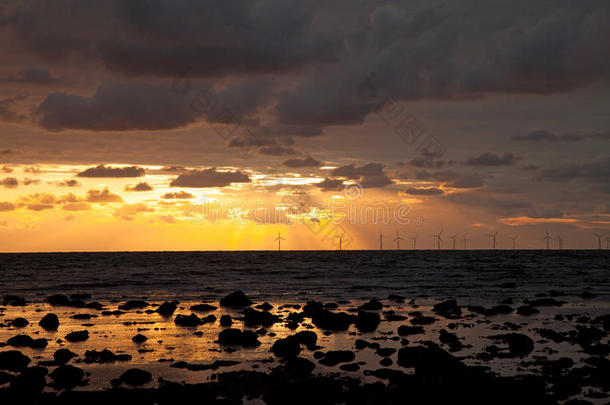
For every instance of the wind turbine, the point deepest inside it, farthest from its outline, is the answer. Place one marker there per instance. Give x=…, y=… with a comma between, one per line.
x=340, y=240
x=465, y=240
x=397, y=240
x=279, y=240
x=453, y=237
x=608, y=242
x=599, y=239
x=548, y=239
x=438, y=239
x=414, y=239
x=493, y=236
x=560, y=241
x=380, y=240
x=514, y=239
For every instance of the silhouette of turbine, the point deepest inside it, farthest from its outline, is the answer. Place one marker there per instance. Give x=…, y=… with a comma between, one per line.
x=279, y=240
x=397, y=240
x=493, y=236
x=438, y=239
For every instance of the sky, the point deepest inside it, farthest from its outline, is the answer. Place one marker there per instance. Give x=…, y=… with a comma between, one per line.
x=205, y=125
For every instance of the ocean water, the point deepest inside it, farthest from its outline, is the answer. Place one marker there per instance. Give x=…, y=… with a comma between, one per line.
x=473, y=276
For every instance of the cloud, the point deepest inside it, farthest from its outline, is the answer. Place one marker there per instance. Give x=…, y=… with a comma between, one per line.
x=27, y=182
x=491, y=159
x=352, y=172
x=139, y=187
x=544, y=136
x=277, y=150
x=6, y=206
x=169, y=219
x=209, y=178
x=108, y=171
x=594, y=172
x=77, y=206
x=6, y=169
x=7, y=152
x=180, y=195
x=330, y=184
x=103, y=196
x=128, y=212
x=39, y=207
x=68, y=183
x=424, y=191
x=7, y=109
x=9, y=182
x=306, y=162
x=34, y=75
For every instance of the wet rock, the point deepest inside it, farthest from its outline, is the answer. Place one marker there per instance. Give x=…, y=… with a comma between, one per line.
x=499, y=310
x=104, y=356
x=236, y=299
x=386, y=362
x=139, y=338
x=551, y=335
x=390, y=316
x=133, y=304
x=518, y=345
x=226, y=320
x=448, y=337
x=167, y=308
x=386, y=351
x=13, y=360
x=350, y=367
x=27, y=341
x=30, y=380
x=252, y=317
x=236, y=337
x=5, y=377
x=49, y=322
x=372, y=305
x=63, y=356
x=333, y=321
x=67, y=377
x=307, y=338
x=78, y=336
x=60, y=300
x=203, y=308
x=526, y=310
x=406, y=330
x=136, y=377
x=14, y=300
x=429, y=360
x=334, y=357
x=422, y=320
x=188, y=320
x=265, y=306
x=201, y=367
x=287, y=347
x=449, y=309
x=363, y=344
x=19, y=323
x=298, y=366
x=367, y=321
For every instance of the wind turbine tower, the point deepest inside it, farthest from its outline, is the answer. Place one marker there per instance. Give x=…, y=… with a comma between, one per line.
x=340, y=240
x=493, y=236
x=453, y=237
x=397, y=240
x=548, y=238
x=599, y=239
x=514, y=239
x=414, y=239
x=438, y=239
x=279, y=240
x=465, y=240
x=380, y=240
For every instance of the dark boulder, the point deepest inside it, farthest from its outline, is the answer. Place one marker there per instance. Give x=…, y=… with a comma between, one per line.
x=299, y=367
x=429, y=361
x=406, y=330
x=288, y=347
x=136, y=377
x=188, y=320
x=139, y=338
x=14, y=300
x=19, y=323
x=265, y=306
x=13, y=360
x=67, y=377
x=63, y=356
x=78, y=336
x=307, y=338
x=236, y=337
x=252, y=317
x=526, y=310
x=236, y=299
x=333, y=321
x=334, y=357
x=367, y=321
x=386, y=351
x=30, y=380
x=104, y=356
x=167, y=308
x=60, y=300
x=372, y=305
x=133, y=304
x=518, y=345
x=449, y=309
x=226, y=320
x=27, y=341
x=203, y=308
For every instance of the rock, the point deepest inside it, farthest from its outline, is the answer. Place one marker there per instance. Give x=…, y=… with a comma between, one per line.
x=350, y=367
x=546, y=302
x=448, y=337
x=80, y=296
x=236, y=337
x=386, y=351
x=139, y=338
x=78, y=336
x=265, y=306
x=518, y=345
x=386, y=362
x=49, y=322
x=167, y=308
x=133, y=304
x=334, y=357
x=335, y=321
x=188, y=320
x=104, y=356
x=363, y=344
x=14, y=300
x=13, y=360
x=372, y=305
x=30, y=380
x=63, y=356
x=19, y=323
x=226, y=320
x=367, y=321
x=288, y=347
x=551, y=335
x=422, y=320
x=499, y=310
x=252, y=317
x=136, y=377
x=203, y=308
x=236, y=299
x=587, y=295
x=67, y=377
x=5, y=377
x=308, y=338
x=200, y=367
x=60, y=300
x=526, y=310
x=429, y=361
x=449, y=309
x=405, y=330
x=27, y=341
x=298, y=366
x=83, y=317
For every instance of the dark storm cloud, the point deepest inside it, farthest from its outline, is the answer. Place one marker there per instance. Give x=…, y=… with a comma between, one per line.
x=306, y=162
x=109, y=171
x=353, y=172
x=34, y=75
x=492, y=159
x=543, y=136
x=164, y=38
x=594, y=172
x=7, y=108
x=139, y=187
x=330, y=184
x=424, y=191
x=450, y=178
x=209, y=178
x=277, y=150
